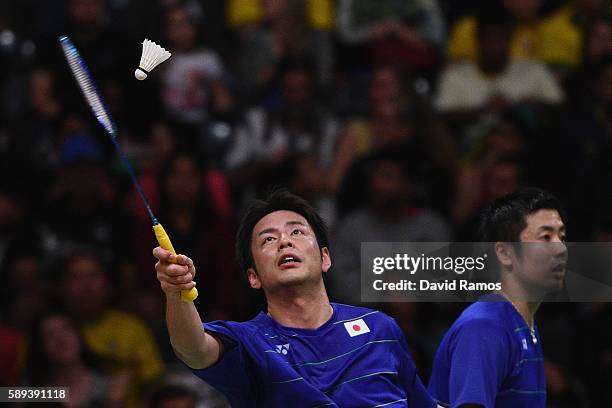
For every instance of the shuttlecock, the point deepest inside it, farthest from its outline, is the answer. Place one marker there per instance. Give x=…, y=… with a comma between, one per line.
x=152, y=56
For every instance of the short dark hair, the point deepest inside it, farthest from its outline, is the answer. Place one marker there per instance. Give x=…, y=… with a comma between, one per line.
x=505, y=218
x=278, y=200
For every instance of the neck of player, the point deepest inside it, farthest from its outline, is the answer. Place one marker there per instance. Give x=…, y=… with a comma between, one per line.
x=302, y=310
x=525, y=302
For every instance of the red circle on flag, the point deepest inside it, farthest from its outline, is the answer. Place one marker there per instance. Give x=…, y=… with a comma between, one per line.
x=356, y=327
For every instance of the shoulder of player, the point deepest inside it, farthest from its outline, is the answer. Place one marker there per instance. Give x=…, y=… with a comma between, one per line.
x=483, y=317
x=258, y=324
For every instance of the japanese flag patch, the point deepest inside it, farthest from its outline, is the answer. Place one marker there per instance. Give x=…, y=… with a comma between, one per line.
x=356, y=327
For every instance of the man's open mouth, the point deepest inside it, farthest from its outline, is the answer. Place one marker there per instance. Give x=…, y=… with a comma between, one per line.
x=288, y=259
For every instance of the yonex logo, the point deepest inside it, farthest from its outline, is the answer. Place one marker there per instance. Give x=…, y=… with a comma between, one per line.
x=282, y=349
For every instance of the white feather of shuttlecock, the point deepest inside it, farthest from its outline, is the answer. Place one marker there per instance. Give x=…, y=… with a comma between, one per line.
x=152, y=55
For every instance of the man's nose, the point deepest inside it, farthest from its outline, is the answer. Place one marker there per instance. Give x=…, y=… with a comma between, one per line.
x=560, y=248
x=285, y=241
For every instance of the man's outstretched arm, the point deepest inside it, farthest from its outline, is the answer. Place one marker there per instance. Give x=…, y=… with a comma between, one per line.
x=190, y=342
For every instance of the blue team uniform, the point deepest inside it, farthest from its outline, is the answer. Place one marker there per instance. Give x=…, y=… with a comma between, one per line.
x=358, y=358
x=489, y=357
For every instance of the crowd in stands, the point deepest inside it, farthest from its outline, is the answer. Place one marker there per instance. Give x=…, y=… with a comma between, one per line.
x=398, y=119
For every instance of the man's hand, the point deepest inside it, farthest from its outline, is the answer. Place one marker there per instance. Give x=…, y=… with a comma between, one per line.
x=174, y=272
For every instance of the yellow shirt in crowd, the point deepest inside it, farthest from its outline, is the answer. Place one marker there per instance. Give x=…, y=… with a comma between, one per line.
x=121, y=340
x=320, y=14
x=555, y=40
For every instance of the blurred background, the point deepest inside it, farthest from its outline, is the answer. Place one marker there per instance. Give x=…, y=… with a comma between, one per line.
x=398, y=119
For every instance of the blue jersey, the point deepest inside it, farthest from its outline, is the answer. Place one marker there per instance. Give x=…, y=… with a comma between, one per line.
x=358, y=358
x=489, y=357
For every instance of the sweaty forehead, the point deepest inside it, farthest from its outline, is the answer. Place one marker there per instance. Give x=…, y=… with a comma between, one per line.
x=544, y=218
x=278, y=220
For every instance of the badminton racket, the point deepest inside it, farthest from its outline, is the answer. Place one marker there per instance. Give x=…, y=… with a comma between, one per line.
x=94, y=100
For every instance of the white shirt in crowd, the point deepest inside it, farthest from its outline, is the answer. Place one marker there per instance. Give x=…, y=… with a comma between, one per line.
x=464, y=86
x=186, y=80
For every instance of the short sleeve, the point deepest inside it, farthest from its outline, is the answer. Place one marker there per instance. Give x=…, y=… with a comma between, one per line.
x=229, y=375
x=450, y=91
x=480, y=354
x=548, y=90
x=417, y=394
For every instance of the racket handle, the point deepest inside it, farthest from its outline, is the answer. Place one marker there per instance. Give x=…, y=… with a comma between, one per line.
x=164, y=241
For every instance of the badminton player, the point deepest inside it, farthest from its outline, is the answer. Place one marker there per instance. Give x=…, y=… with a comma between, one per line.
x=304, y=351
x=492, y=355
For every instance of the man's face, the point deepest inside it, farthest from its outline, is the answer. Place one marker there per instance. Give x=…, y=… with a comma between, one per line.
x=183, y=183
x=286, y=253
x=388, y=185
x=86, y=286
x=494, y=43
x=524, y=10
x=540, y=265
x=61, y=341
x=605, y=86
x=297, y=89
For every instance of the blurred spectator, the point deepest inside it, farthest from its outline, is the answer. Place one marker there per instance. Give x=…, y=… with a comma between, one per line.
x=123, y=344
x=595, y=353
x=290, y=145
x=407, y=33
x=11, y=356
x=194, y=206
x=58, y=357
x=82, y=210
x=597, y=48
x=587, y=145
x=163, y=144
x=563, y=390
x=598, y=40
x=483, y=184
x=172, y=396
x=272, y=31
x=496, y=80
x=390, y=120
x=39, y=119
x=94, y=35
x=27, y=288
x=193, y=87
x=548, y=37
x=492, y=167
x=390, y=215
x=180, y=376
x=11, y=219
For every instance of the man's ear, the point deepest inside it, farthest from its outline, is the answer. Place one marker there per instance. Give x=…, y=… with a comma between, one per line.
x=326, y=259
x=254, y=280
x=504, y=252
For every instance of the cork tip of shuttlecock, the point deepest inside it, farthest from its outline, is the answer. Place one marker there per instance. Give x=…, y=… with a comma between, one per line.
x=140, y=74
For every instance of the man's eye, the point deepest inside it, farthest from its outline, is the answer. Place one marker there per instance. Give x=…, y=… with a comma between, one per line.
x=269, y=239
x=296, y=232
x=546, y=237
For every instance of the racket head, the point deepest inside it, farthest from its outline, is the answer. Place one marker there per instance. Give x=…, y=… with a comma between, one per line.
x=86, y=83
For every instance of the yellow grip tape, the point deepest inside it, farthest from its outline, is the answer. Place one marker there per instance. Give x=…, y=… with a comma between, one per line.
x=164, y=241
